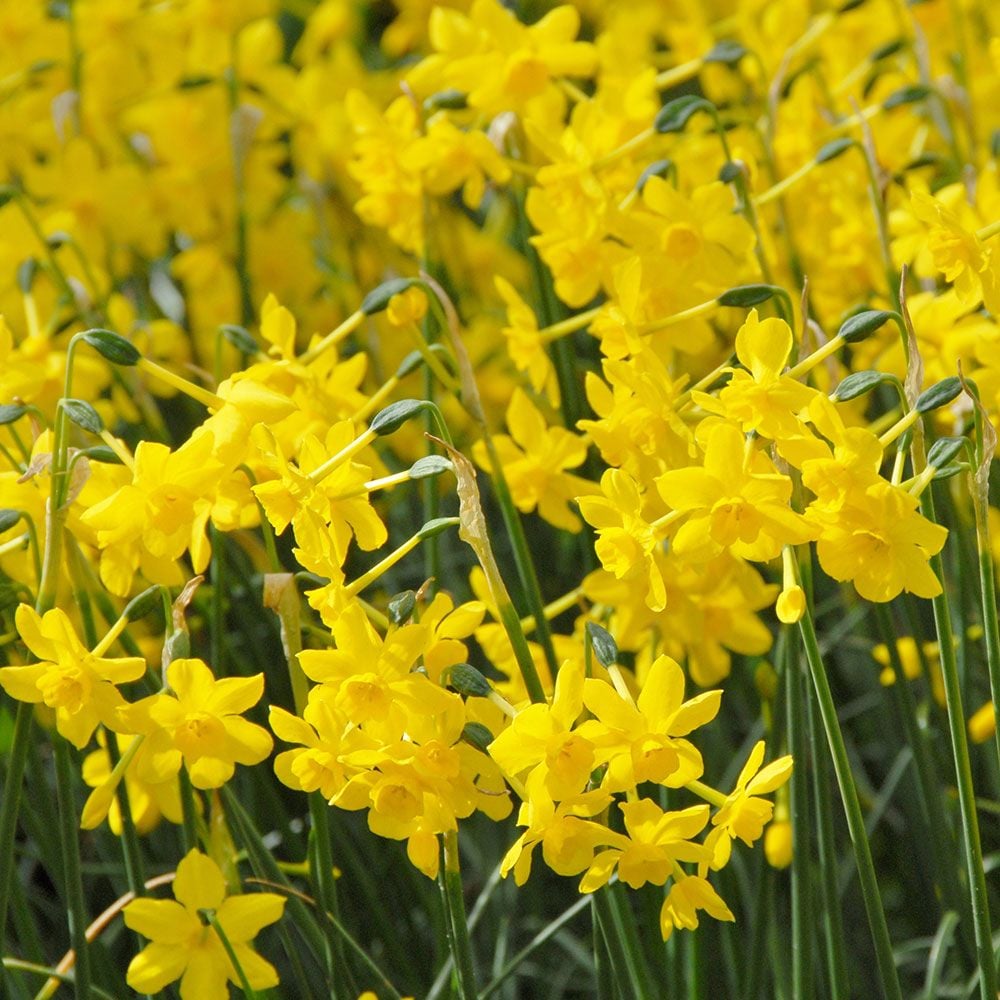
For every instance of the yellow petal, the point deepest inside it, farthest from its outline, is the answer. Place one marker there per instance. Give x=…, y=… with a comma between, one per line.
x=199, y=884
x=162, y=920
x=242, y=917
x=156, y=966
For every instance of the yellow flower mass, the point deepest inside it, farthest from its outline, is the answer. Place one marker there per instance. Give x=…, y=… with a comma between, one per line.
x=446, y=439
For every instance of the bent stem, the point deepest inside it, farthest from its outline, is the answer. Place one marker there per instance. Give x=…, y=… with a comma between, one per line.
x=852, y=807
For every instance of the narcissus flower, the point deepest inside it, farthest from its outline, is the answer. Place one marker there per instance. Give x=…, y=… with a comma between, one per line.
x=77, y=684
x=656, y=841
x=882, y=543
x=687, y=896
x=644, y=741
x=535, y=458
x=738, y=501
x=744, y=813
x=199, y=725
x=184, y=946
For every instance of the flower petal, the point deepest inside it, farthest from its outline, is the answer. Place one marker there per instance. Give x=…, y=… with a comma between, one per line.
x=242, y=917
x=199, y=884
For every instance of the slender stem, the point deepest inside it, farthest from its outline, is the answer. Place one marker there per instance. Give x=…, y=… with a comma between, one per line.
x=852, y=808
x=988, y=594
x=181, y=384
x=217, y=623
x=70, y=845
x=321, y=875
x=603, y=968
x=190, y=813
x=569, y=325
x=248, y=990
x=131, y=851
x=454, y=901
x=829, y=863
x=802, y=910
x=625, y=957
x=522, y=555
x=16, y=763
x=943, y=847
x=963, y=772
x=988, y=232
x=536, y=942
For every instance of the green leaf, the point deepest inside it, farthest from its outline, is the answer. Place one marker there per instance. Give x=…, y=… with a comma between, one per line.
x=436, y=526
x=833, y=149
x=83, y=415
x=8, y=518
x=378, y=298
x=658, y=168
x=467, y=681
x=477, y=735
x=389, y=420
x=863, y=324
x=142, y=604
x=944, y=450
x=605, y=647
x=9, y=412
x=948, y=471
x=112, y=346
x=451, y=100
x=102, y=453
x=727, y=52
x=240, y=338
x=906, y=95
x=430, y=465
x=857, y=384
x=409, y=364
x=675, y=114
x=401, y=606
x=26, y=272
x=743, y=296
x=938, y=395
x=729, y=171
x=889, y=49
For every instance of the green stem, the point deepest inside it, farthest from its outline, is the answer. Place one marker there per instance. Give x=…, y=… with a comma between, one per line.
x=802, y=912
x=190, y=813
x=233, y=957
x=963, y=772
x=217, y=625
x=321, y=875
x=454, y=901
x=70, y=845
x=131, y=851
x=627, y=961
x=50, y=973
x=988, y=593
x=757, y=955
x=829, y=864
x=525, y=662
x=536, y=942
x=943, y=847
x=9, y=808
x=522, y=555
x=852, y=808
x=239, y=161
x=429, y=494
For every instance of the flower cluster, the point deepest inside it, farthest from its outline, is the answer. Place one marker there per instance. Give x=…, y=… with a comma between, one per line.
x=709, y=295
